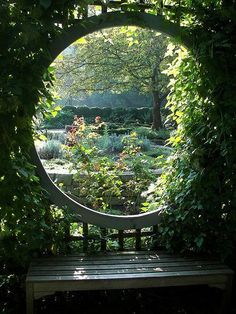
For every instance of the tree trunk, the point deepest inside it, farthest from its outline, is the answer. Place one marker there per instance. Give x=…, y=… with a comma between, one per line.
x=156, y=111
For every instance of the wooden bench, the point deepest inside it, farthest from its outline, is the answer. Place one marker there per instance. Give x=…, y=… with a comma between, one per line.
x=123, y=270
x=120, y=270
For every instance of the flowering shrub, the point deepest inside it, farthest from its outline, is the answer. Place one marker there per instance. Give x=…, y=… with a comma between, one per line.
x=77, y=129
x=100, y=178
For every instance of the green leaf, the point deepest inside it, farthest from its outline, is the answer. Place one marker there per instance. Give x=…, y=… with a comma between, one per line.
x=51, y=69
x=57, y=108
x=144, y=209
x=54, y=113
x=23, y=172
x=81, y=40
x=199, y=241
x=43, y=138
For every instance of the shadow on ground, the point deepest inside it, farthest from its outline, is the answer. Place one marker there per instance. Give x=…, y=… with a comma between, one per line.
x=180, y=300
x=171, y=300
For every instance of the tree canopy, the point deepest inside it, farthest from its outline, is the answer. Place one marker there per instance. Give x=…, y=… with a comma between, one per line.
x=117, y=60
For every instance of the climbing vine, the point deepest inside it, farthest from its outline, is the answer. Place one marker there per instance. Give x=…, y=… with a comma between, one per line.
x=198, y=187
x=28, y=225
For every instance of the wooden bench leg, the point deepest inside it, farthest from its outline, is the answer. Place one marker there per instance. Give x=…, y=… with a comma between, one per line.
x=224, y=308
x=29, y=298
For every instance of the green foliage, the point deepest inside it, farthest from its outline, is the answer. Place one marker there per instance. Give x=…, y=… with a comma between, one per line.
x=119, y=65
x=152, y=134
x=56, y=136
x=64, y=117
x=20, y=214
x=50, y=149
x=27, y=224
x=111, y=115
x=158, y=152
x=100, y=178
x=109, y=143
x=197, y=188
x=115, y=143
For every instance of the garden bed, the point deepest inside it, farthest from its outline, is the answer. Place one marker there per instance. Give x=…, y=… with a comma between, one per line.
x=105, y=171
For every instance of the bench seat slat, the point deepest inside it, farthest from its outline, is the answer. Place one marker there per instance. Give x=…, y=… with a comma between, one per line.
x=141, y=269
x=114, y=276
x=37, y=268
x=163, y=266
x=71, y=262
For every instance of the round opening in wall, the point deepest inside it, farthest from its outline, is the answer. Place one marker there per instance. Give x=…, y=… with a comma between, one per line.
x=98, y=154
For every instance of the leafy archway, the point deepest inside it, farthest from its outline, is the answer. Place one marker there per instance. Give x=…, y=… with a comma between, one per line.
x=114, y=19
x=203, y=105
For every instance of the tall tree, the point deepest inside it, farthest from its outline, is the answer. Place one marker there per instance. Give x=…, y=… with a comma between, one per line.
x=117, y=60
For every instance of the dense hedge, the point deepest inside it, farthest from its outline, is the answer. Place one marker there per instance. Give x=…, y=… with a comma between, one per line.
x=116, y=115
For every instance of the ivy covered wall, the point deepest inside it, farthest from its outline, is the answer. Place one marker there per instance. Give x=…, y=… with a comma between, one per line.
x=198, y=187
x=198, y=193
x=27, y=224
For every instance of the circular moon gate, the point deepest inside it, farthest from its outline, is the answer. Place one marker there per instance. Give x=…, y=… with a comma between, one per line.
x=82, y=28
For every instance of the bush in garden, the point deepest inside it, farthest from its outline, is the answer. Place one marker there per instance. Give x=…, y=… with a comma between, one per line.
x=163, y=134
x=118, y=114
x=50, y=149
x=146, y=132
x=133, y=141
x=56, y=136
x=116, y=143
x=103, y=143
x=120, y=130
x=152, y=134
x=159, y=151
x=109, y=143
x=144, y=143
